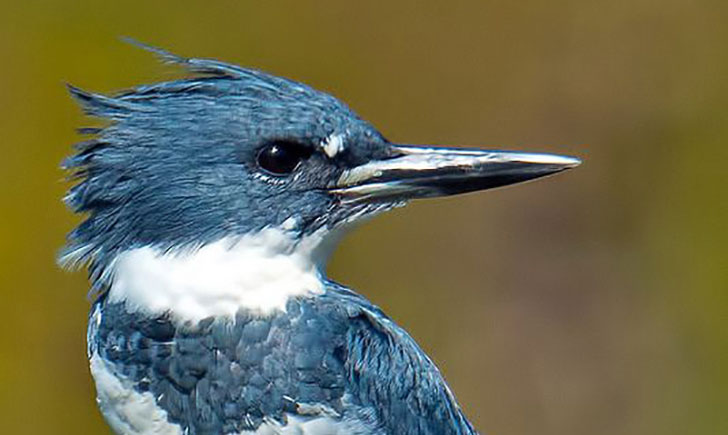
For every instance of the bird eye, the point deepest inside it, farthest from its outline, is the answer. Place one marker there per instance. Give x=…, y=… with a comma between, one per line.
x=282, y=158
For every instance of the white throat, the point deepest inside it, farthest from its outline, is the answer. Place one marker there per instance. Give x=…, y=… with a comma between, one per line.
x=257, y=272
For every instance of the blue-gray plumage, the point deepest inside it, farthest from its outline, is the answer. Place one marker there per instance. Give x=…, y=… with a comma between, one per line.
x=211, y=203
x=214, y=378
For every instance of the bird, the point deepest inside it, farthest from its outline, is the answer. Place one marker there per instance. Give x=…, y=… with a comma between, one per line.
x=210, y=206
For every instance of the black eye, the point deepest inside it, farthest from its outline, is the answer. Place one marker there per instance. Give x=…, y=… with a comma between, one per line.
x=282, y=158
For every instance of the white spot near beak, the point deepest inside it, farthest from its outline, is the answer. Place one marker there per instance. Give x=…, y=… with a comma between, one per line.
x=333, y=145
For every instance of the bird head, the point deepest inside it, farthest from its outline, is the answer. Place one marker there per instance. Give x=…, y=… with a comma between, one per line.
x=233, y=151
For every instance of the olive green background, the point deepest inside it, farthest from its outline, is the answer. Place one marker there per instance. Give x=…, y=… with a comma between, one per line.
x=594, y=302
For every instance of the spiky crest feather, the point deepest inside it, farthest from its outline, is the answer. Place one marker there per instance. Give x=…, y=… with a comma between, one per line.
x=79, y=252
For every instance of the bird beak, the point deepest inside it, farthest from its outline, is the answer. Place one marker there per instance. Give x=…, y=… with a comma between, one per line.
x=423, y=172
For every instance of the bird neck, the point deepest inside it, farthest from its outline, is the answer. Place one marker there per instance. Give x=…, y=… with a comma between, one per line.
x=257, y=272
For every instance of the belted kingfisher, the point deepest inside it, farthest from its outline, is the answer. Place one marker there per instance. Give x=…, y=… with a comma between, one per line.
x=211, y=206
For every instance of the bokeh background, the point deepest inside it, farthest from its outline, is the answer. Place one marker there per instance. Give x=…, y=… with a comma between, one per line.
x=594, y=302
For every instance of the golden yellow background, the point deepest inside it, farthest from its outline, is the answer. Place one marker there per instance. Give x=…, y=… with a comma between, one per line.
x=594, y=302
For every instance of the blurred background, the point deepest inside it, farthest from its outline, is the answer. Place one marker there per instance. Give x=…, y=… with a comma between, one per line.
x=594, y=302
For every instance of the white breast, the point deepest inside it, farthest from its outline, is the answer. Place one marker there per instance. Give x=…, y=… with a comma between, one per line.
x=257, y=272
x=127, y=411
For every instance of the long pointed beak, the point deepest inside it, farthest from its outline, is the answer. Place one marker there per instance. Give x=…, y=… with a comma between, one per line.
x=421, y=172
